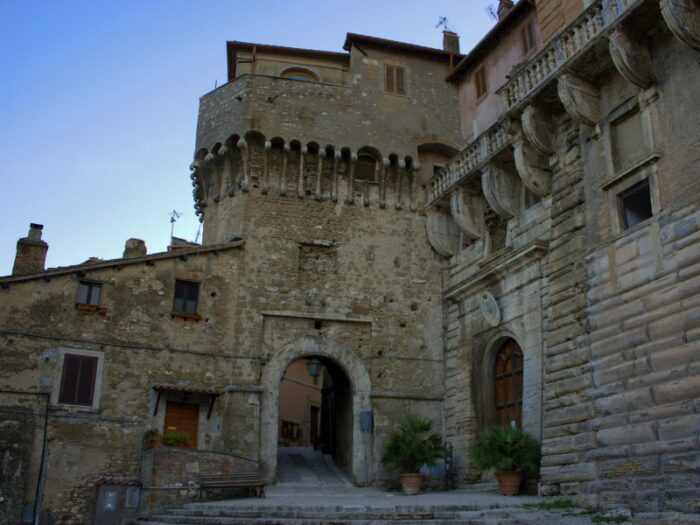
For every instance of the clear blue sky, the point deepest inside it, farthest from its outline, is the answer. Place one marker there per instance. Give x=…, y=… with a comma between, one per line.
x=99, y=100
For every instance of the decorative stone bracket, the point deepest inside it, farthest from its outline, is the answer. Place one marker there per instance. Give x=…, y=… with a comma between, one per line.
x=580, y=98
x=533, y=168
x=442, y=232
x=631, y=59
x=502, y=189
x=467, y=209
x=538, y=128
x=683, y=19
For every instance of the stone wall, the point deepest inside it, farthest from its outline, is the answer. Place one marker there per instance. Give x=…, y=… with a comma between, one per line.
x=555, y=15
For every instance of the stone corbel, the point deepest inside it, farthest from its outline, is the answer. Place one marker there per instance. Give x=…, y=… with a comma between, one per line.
x=533, y=168
x=302, y=167
x=413, y=195
x=683, y=19
x=266, y=168
x=286, y=150
x=336, y=162
x=319, y=172
x=443, y=234
x=538, y=128
x=212, y=174
x=382, y=182
x=350, y=197
x=197, y=185
x=502, y=189
x=580, y=98
x=243, y=147
x=467, y=210
x=631, y=59
x=397, y=183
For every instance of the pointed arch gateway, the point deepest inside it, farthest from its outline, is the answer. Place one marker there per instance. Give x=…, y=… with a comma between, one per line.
x=344, y=363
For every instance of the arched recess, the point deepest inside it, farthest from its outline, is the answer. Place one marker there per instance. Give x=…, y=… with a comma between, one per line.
x=485, y=391
x=361, y=471
x=299, y=73
x=256, y=157
x=368, y=159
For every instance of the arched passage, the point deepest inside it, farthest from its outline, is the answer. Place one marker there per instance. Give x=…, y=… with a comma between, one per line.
x=348, y=371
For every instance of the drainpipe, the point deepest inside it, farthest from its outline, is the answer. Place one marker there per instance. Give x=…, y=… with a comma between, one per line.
x=39, y=495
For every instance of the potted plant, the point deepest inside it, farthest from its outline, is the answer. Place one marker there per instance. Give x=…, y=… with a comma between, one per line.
x=410, y=446
x=176, y=438
x=152, y=438
x=511, y=452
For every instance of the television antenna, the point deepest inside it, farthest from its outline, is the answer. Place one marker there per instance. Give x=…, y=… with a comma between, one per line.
x=174, y=216
x=442, y=21
x=493, y=14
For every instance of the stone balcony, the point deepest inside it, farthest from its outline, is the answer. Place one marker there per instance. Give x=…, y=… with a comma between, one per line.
x=490, y=174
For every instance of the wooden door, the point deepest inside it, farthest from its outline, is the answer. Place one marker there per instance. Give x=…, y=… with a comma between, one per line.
x=182, y=417
x=508, y=384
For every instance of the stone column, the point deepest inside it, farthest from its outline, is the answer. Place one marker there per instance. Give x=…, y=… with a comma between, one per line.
x=336, y=160
x=283, y=176
x=302, y=166
x=319, y=173
x=243, y=147
x=350, y=198
x=382, y=182
x=266, y=167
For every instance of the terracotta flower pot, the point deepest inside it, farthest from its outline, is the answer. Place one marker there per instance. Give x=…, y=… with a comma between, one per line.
x=509, y=482
x=411, y=483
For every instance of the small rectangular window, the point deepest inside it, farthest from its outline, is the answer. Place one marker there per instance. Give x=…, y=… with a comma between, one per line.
x=89, y=293
x=528, y=38
x=78, y=379
x=480, y=82
x=635, y=204
x=186, y=296
x=394, y=80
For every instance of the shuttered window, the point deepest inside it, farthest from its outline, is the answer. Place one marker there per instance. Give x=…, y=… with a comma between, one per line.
x=508, y=384
x=186, y=296
x=480, y=82
x=394, y=80
x=78, y=379
x=89, y=293
x=528, y=37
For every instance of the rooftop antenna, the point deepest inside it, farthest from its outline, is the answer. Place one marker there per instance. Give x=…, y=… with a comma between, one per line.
x=442, y=21
x=493, y=14
x=174, y=215
x=199, y=230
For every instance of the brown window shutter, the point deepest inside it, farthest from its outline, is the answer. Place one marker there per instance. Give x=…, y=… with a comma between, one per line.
x=399, y=81
x=69, y=381
x=389, y=79
x=78, y=380
x=86, y=385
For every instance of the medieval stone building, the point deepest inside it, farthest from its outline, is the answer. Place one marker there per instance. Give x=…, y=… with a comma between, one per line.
x=506, y=235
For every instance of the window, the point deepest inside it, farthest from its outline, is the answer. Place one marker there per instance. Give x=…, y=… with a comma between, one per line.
x=394, y=80
x=366, y=168
x=508, y=384
x=78, y=379
x=89, y=293
x=480, y=82
x=635, y=204
x=299, y=73
x=528, y=38
x=186, y=295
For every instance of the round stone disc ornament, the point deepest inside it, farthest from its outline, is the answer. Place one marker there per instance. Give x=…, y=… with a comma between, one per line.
x=490, y=309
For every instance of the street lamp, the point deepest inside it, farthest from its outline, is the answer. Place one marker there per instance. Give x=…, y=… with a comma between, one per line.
x=314, y=367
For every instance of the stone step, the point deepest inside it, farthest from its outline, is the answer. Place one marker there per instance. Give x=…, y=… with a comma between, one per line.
x=334, y=521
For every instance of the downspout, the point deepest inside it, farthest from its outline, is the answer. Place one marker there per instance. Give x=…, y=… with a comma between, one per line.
x=39, y=495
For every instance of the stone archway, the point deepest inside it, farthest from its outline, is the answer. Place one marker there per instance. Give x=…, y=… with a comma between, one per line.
x=353, y=367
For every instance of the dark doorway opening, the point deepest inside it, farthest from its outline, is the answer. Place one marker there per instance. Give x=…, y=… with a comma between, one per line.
x=314, y=440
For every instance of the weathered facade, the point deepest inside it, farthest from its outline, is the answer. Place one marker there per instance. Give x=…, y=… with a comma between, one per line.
x=556, y=252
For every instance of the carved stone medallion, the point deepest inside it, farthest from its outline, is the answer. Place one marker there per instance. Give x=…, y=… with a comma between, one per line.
x=490, y=309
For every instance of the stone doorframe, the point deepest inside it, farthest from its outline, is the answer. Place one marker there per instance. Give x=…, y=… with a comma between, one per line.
x=272, y=372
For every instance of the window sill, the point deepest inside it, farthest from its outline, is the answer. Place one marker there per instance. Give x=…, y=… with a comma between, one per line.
x=91, y=308
x=399, y=95
x=76, y=408
x=187, y=317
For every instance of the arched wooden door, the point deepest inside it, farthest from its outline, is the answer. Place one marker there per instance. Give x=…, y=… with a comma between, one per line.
x=508, y=384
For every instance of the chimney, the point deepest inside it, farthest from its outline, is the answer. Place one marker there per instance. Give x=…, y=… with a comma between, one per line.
x=134, y=248
x=31, y=252
x=504, y=7
x=450, y=42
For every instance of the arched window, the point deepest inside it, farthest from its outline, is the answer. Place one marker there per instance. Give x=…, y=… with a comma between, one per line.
x=366, y=168
x=508, y=384
x=299, y=73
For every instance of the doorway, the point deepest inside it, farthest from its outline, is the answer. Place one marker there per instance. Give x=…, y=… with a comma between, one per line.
x=315, y=423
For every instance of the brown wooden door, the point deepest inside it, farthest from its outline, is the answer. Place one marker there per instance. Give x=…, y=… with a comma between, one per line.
x=182, y=417
x=508, y=384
